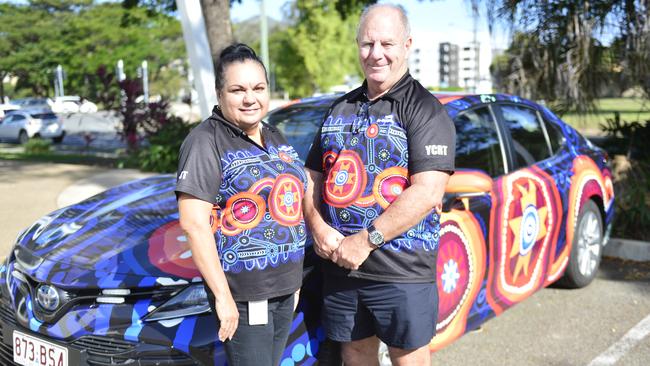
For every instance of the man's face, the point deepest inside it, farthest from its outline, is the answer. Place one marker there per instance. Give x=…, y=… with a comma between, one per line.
x=383, y=49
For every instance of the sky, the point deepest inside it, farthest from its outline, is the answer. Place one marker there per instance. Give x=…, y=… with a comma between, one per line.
x=439, y=21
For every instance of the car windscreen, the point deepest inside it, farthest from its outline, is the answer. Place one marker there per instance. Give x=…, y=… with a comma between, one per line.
x=298, y=124
x=44, y=115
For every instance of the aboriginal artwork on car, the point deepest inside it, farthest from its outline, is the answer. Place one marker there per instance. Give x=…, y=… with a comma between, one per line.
x=527, y=220
x=511, y=236
x=142, y=277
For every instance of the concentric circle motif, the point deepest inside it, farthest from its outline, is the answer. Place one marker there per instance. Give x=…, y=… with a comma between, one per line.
x=372, y=131
x=285, y=201
x=389, y=184
x=245, y=210
x=345, y=180
x=285, y=157
x=229, y=256
x=460, y=267
x=526, y=220
x=529, y=229
x=170, y=252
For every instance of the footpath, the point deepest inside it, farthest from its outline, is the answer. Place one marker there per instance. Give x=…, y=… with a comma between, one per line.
x=30, y=190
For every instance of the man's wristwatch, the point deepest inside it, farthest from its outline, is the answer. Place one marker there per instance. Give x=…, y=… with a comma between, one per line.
x=375, y=236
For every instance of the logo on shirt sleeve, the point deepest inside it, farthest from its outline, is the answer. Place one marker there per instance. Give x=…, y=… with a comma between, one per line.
x=436, y=150
x=183, y=175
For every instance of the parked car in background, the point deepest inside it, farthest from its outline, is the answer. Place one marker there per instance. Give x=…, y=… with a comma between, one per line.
x=72, y=104
x=32, y=103
x=111, y=280
x=6, y=108
x=21, y=125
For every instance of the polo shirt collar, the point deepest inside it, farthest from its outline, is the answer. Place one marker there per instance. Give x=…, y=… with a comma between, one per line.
x=395, y=93
x=233, y=129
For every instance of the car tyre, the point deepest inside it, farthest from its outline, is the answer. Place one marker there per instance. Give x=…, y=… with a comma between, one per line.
x=23, y=137
x=587, y=248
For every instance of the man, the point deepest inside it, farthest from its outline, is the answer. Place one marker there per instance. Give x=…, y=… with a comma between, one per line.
x=378, y=170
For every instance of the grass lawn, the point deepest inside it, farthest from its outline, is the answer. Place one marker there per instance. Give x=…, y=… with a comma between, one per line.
x=66, y=159
x=631, y=109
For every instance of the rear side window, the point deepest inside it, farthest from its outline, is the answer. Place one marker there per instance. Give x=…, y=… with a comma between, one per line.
x=299, y=125
x=528, y=139
x=477, y=142
x=44, y=116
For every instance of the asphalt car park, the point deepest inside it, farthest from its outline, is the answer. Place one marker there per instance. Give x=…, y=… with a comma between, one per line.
x=143, y=196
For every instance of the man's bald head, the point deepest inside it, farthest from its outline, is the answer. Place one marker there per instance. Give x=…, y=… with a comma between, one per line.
x=385, y=10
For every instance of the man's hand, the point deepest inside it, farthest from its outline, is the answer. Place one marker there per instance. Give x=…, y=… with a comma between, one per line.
x=326, y=240
x=353, y=251
x=228, y=316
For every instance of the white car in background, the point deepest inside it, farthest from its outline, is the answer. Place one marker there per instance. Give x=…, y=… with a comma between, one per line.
x=72, y=104
x=6, y=108
x=21, y=125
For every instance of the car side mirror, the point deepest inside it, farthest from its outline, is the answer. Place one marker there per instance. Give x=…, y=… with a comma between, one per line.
x=462, y=186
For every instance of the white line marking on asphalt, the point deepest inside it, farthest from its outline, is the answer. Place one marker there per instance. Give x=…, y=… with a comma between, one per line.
x=620, y=348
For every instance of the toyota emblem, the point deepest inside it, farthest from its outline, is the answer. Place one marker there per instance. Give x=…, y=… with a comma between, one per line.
x=47, y=297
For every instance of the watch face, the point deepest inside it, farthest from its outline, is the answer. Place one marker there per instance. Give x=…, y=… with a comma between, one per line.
x=376, y=238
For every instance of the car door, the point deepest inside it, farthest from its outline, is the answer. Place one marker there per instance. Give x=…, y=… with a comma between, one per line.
x=8, y=127
x=526, y=210
x=465, y=224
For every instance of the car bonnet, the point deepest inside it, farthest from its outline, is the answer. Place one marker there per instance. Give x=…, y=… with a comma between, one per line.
x=114, y=239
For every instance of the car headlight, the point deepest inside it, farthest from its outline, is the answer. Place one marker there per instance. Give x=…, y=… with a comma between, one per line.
x=190, y=301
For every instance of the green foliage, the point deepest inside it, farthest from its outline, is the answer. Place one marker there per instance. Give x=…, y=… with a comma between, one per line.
x=81, y=35
x=161, y=155
x=632, y=185
x=556, y=55
x=37, y=146
x=317, y=51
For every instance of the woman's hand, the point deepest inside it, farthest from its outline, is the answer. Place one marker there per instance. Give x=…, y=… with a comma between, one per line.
x=228, y=316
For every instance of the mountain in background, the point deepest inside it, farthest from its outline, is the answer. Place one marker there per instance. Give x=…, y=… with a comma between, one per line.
x=248, y=31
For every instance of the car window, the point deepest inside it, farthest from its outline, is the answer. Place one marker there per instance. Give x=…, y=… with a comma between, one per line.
x=6, y=118
x=18, y=117
x=528, y=139
x=299, y=125
x=555, y=136
x=44, y=115
x=477, y=142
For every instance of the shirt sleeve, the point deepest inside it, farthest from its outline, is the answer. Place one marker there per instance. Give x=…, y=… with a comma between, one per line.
x=199, y=166
x=315, y=157
x=431, y=136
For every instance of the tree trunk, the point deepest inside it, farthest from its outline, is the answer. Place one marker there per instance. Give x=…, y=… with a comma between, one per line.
x=216, y=14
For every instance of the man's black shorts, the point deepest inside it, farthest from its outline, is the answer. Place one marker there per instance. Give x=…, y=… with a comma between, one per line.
x=402, y=315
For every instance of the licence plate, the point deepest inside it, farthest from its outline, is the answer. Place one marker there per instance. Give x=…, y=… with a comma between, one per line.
x=32, y=351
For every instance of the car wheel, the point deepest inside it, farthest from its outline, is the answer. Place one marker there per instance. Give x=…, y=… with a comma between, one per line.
x=587, y=249
x=23, y=137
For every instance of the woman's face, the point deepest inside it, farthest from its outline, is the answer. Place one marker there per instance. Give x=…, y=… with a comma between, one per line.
x=244, y=98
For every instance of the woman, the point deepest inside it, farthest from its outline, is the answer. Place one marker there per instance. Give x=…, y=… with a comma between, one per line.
x=240, y=188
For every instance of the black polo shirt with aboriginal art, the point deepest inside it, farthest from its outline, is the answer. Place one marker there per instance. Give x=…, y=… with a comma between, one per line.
x=366, y=151
x=257, y=192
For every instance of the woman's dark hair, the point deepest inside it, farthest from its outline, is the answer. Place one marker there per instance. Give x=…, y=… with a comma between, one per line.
x=237, y=52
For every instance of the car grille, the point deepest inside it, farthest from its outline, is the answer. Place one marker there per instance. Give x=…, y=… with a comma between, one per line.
x=104, y=351
x=6, y=353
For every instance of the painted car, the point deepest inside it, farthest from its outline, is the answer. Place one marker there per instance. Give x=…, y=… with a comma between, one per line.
x=111, y=281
